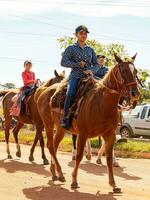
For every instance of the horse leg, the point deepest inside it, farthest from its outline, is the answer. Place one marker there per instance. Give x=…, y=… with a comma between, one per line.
x=109, y=142
x=40, y=136
x=100, y=153
x=31, y=158
x=18, y=126
x=115, y=163
x=80, y=149
x=88, y=147
x=60, y=132
x=7, y=133
x=50, y=145
x=74, y=151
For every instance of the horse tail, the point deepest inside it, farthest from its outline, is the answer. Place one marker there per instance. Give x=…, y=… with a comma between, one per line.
x=3, y=92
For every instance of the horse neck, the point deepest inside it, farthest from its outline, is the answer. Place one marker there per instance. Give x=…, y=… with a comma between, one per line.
x=110, y=81
x=48, y=83
x=112, y=94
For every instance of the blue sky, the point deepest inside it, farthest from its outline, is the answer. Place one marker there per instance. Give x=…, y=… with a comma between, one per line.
x=29, y=30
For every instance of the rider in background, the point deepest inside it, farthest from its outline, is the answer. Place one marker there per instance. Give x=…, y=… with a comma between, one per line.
x=28, y=78
x=29, y=82
x=83, y=61
x=102, y=67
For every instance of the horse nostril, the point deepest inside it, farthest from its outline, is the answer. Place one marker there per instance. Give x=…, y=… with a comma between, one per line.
x=133, y=93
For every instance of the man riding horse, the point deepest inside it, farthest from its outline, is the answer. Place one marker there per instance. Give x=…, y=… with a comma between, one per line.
x=83, y=61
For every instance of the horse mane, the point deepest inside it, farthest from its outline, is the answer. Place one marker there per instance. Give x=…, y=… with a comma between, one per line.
x=107, y=78
x=48, y=83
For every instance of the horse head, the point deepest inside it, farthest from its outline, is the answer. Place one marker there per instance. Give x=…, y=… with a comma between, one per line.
x=57, y=79
x=126, y=78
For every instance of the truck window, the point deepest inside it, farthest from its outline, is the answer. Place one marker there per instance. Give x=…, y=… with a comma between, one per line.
x=148, y=116
x=144, y=112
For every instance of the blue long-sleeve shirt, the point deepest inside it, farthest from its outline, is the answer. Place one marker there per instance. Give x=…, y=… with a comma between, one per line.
x=101, y=72
x=72, y=57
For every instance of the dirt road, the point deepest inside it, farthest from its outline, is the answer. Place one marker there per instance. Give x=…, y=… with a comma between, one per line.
x=20, y=179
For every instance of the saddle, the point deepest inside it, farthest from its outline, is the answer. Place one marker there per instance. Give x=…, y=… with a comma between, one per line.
x=57, y=100
x=25, y=101
x=16, y=110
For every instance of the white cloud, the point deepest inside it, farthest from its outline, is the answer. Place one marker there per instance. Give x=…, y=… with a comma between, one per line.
x=93, y=8
x=109, y=9
x=27, y=7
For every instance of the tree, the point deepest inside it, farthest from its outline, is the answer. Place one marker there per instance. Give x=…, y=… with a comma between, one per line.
x=9, y=85
x=145, y=91
x=106, y=50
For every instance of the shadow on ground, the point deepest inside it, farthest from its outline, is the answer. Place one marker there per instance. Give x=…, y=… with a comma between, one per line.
x=12, y=166
x=95, y=169
x=56, y=192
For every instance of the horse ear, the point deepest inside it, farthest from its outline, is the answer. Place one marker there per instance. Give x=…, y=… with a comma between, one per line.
x=56, y=73
x=117, y=58
x=133, y=58
x=63, y=73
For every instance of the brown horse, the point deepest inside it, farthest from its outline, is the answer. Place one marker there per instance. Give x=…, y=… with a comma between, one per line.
x=98, y=115
x=31, y=118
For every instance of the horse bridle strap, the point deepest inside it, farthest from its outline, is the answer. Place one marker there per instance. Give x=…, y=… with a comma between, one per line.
x=121, y=83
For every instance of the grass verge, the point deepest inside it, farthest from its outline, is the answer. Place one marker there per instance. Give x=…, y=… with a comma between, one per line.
x=133, y=149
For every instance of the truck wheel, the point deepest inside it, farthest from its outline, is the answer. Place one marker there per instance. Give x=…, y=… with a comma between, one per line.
x=125, y=132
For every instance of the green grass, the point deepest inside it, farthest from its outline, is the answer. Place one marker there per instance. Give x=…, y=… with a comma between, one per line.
x=27, y=136
x=134, y=146
x=1, y=111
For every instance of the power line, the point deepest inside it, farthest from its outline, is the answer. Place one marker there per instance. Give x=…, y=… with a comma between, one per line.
x=98, y=3
x=34, y=20
x=30, y=34
x=105, y=37
x=22, y=60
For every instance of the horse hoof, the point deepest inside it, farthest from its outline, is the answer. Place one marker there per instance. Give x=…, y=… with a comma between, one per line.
x=116, y=164
x=99, y=161
x=45, y=162
x=9, y=157
x=18, y=154
x=62, y=179
x=73, y=157
x=54, y=178
x=74, y=185
x=88, y=157
x=117, y=190
x=31, y=159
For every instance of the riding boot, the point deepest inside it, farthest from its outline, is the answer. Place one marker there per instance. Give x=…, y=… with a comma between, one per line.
x=65, y=123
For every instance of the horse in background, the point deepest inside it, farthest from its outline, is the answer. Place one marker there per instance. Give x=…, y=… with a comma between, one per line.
x=32, y=117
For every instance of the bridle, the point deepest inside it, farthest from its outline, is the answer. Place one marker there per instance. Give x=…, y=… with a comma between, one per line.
x=122, y=87
x=120, y=83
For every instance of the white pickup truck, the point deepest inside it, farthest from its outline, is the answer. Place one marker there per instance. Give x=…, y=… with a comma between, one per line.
x=136, y=122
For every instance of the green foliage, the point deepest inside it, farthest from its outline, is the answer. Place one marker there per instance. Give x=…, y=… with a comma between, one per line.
x=108, y=50
x=9, y=85
x=145, y=91
x=133, y=146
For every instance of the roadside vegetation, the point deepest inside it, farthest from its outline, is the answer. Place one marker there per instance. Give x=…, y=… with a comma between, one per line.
x=131, y=148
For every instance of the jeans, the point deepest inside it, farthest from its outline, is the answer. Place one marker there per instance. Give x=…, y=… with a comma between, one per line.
x=24, y=93
x=70, y=95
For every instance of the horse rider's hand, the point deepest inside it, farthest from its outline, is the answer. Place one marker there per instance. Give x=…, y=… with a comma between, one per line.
x=88, y=72
x=82, y=64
